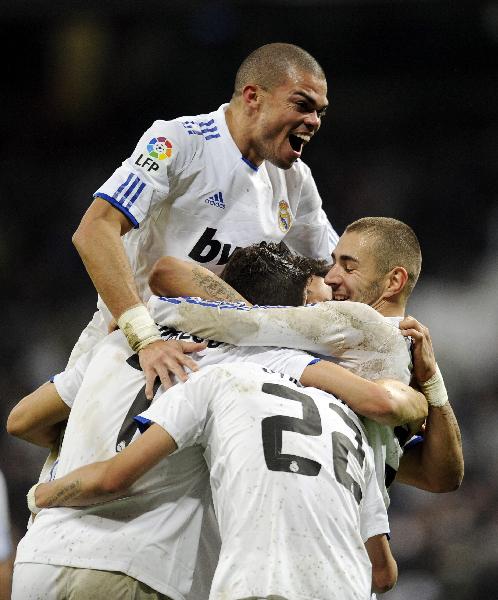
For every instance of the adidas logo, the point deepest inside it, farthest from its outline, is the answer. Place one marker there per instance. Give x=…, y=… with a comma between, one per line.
x=216, y=200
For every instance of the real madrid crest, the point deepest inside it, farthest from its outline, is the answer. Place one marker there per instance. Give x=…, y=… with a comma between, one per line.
x=284, y=216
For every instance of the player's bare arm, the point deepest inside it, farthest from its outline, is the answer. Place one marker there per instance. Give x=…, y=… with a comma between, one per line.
x=38, y=417
x=386, y=401
x=171, y=276
x=437, y=464
x=98, y=241
x=105, y=480
x=384, y=567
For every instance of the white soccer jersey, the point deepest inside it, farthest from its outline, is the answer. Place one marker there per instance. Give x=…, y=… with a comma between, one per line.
x=190, y=194
x=351, y=333
x=151, y=535
x=293, y=483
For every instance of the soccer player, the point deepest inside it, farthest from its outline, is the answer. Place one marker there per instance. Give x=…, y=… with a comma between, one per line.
x=196, y=187
x=377, y=261
x=111, y=392
x=278, y=454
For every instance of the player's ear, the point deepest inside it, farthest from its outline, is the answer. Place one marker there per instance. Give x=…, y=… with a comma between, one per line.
x=395, y=281
x=251, y=95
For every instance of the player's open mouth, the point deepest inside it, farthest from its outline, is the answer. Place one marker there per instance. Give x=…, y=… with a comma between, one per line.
x=298, y=140
x=339, y=297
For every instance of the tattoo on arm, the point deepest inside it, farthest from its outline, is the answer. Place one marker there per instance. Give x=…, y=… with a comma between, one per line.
x=216, y=288
x=65, y=494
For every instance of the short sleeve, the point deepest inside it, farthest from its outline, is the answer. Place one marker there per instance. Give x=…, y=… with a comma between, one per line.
x=181, y=410
x=69, y=381
x=146, y=177
x=373, y=513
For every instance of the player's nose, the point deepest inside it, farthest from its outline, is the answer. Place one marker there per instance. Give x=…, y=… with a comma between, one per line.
x=312, y=120
x=333, y=277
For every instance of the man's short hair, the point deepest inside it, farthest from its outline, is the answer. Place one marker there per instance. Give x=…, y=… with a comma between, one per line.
x=270, y=274
x=394, y=245
x=270, y=64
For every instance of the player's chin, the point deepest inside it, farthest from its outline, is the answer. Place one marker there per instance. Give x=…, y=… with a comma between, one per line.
x=284, y=162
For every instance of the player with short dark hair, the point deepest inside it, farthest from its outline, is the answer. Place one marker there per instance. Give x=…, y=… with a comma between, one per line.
x=360, y=273
x=272, y=272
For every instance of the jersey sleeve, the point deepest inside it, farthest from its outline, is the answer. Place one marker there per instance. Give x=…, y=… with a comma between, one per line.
x=373, y=512
x=357, y=336
x=69, y=381
x=311, y=233
x=145, y=178
x=181, y=410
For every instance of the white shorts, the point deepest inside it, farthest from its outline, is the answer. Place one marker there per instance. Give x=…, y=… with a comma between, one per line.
x=35, y=581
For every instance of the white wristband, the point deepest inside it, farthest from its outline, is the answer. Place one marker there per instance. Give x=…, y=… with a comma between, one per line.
x=138, y=327
x=434, y=389
x=31, y=499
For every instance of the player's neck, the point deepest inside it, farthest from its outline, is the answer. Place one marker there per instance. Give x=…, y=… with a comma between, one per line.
x=387, y=308
x=241, y=134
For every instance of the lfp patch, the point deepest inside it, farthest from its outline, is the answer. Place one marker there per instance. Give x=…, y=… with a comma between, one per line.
x=284, y=216
x=160, y=148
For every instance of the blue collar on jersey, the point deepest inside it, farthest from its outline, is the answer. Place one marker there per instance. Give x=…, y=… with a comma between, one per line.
x=248, y=162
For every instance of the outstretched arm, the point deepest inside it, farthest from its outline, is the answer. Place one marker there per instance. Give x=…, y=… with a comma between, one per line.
x=437, y=463
x=98, y=241
x=106, y=480
x=386, y=401
x=172, y=276
x=38, y=417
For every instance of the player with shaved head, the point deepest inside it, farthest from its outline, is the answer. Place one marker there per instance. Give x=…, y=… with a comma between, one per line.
x=197, y=187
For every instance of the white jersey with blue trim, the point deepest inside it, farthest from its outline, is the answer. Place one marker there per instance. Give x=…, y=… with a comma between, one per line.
x=189, y=193
x=350, y=333
x=293, y=482
x=153, y=533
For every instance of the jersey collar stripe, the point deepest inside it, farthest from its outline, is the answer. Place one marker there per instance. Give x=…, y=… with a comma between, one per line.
x=248, y=162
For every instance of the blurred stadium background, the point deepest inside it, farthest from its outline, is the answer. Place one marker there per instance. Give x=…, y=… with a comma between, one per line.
x=411, y=133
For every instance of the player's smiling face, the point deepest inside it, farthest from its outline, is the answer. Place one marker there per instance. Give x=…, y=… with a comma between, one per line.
x=289, y=115
x=354, y=275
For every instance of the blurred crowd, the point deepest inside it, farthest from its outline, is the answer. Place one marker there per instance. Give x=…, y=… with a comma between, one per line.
x=410, y=133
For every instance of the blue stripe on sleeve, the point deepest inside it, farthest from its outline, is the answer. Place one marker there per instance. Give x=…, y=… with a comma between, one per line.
x=120, y=207
x=415, y=441
x=122, y=186
x=129, y=190
x=137, y=194
x=314, y=361
x=142, y=423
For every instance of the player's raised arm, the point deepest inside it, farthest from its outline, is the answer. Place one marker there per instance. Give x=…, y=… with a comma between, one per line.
x=354, y=333
x=436, y=464
x=172, y=276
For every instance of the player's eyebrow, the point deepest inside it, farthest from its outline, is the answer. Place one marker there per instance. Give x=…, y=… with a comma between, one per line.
x=345, y=258
x=312, y=101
